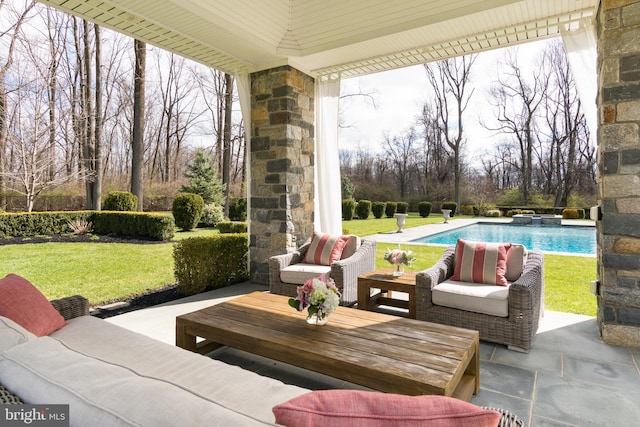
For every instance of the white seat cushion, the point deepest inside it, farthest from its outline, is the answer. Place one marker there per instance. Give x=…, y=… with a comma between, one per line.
x=478, y=298
x=298, y=273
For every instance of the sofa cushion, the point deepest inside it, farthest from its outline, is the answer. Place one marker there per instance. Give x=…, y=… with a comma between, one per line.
x=487, y=299
x=116, y=376
x=298, y=273
x=350, y=408
x=23, y=303
x=352, y=245
x=481, y=262
x=12, y=334
x=516, y=260
x=325, y=248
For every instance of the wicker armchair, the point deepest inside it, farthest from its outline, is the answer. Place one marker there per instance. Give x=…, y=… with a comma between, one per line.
x=525, y=301
x=344, y=272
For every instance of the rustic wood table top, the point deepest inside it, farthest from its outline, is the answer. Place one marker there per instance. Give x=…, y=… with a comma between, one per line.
x=379, y=351
x=384, y=280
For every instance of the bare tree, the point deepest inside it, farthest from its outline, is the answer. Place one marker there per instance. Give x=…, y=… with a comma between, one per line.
x=516, y=100
x=400, y=150
x=13, y=30
x=448, y=79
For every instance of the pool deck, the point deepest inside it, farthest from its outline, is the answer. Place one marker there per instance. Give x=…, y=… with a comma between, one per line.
x=409, y=234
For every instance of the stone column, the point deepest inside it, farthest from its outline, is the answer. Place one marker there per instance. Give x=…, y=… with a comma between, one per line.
x=619, y=171
x=282, y=165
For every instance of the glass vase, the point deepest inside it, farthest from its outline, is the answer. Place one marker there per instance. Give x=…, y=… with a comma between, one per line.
x=314, y=319
x=399, y=270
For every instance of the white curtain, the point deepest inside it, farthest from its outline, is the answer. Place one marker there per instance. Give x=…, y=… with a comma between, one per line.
x=243, y=83
x=581, y=48
x=327, y=197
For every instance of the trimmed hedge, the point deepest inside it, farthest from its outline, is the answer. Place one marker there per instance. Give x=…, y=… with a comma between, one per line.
x=232, y=227
x=348, y=209
x=569, y=213
x=133, y=224
x=424, y=208
x=187, y=210
x=450, y=205
x=390, y=209
x=203, y=263
x=123, y=201
x=39, y=223
x=363, y=210
x=378, y=209
x=403, y=207
x=238, y=209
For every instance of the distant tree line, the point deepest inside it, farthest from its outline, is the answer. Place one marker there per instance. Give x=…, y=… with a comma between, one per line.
x=545, y=155
x=69, y=114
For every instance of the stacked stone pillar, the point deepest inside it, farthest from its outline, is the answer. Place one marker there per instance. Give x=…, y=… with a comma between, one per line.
x=619, y=171
x=282, y=165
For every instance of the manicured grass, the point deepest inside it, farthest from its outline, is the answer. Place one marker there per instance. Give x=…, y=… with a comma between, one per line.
x=105, y=272
x=102, y=272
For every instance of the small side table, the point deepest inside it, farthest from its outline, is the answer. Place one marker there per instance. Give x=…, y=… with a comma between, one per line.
x=386, y=282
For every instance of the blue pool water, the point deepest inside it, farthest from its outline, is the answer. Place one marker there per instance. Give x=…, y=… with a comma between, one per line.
x=548, y=238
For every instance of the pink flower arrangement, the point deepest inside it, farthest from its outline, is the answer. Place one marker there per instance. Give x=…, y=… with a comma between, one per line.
x=399, y=256
x=320, y=294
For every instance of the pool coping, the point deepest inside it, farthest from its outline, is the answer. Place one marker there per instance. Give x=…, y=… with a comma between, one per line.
x=409, y=234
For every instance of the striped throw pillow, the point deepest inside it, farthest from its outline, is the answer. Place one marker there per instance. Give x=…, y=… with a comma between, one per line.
x=325, y=248
x=479, y=262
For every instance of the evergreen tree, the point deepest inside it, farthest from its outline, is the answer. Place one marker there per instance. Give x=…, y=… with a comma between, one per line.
x=203, y=180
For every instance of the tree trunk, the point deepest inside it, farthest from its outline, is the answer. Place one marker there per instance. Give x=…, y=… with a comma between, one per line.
x=88, y=118
x=137, y=144
x=97, y=183
x=226, y=152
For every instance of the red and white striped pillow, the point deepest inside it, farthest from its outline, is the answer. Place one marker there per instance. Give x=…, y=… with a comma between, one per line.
x=480, y=262
x=325, y=248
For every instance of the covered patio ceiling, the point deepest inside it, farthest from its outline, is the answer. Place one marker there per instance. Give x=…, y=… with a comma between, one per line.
x=346, y=37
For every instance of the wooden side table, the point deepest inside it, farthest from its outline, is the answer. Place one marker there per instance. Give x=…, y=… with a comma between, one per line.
x=386, y=282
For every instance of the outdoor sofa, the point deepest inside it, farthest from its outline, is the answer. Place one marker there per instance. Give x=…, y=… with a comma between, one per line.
x=111, y=376
x=506, y=314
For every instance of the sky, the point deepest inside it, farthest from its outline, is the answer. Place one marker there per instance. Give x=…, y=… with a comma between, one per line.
x=402, y=92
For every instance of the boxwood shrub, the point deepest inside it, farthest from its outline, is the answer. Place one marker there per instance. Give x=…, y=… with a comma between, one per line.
x=348, y=209
x=424, y=209
x=403, y=207
x=363, y=210
x=120, y=201
x=450, y=205
x=378, y=209
x=39, y=223
x=203, y=263
x=232, y=227
x=187, y=210
x=133, y=224
x=390, y=209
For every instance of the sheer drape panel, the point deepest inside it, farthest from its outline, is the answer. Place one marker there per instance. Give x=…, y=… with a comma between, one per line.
x=328, y=198
x=581, y=47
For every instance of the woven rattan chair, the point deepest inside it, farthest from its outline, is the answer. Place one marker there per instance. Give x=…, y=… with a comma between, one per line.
x=344, y=272
x=525, y=299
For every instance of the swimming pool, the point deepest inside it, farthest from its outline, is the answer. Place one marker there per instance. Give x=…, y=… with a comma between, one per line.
x=577, y=240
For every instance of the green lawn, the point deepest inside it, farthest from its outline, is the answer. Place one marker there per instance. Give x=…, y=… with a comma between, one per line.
x=108, y=271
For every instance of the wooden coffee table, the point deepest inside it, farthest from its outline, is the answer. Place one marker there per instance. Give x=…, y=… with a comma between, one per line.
x=379, y=351
x=384, y=280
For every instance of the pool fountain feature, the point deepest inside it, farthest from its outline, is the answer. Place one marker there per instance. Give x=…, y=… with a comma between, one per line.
x=537, y=219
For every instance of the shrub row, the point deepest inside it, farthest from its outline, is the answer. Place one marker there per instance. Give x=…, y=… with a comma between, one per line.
x=232, y=227
x=203, y=263
x=364, y=208
x=132, y=224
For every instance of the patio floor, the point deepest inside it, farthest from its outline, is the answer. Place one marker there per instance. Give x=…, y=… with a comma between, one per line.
x=569, y=378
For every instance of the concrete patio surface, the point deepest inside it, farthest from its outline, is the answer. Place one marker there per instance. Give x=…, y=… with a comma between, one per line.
x=569, y=378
